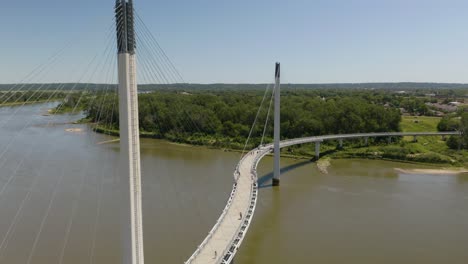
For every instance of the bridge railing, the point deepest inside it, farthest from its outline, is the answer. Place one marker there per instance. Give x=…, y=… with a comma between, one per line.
x=215, y=227
x=221, y=217
x=289, y=142
x=229, y=253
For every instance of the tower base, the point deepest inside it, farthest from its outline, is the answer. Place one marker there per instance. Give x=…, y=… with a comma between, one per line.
x=276, y=182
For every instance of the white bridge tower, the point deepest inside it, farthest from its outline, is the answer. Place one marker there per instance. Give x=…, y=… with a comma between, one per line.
x=276, y=134
x=129, y=135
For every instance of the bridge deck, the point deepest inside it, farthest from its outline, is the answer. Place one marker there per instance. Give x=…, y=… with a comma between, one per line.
x=236, y=214
x=297, y=141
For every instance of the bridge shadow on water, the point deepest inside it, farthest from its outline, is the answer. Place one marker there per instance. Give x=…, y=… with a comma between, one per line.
x=265, y=180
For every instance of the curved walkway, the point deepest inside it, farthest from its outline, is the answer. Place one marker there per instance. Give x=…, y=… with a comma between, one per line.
x=227, y=234
x=297, y=141
x=225, y=237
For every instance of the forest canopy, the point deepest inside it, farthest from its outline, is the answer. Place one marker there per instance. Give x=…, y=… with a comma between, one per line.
x=226, y=117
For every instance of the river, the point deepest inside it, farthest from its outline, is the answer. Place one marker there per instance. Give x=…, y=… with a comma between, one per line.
x=59, y=202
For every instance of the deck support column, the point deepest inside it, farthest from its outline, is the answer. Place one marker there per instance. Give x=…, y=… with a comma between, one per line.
x=389, y=140
x=340, y=143
x=459, y=144
x=415, y=139
x=276, y=170
x=317, y=150
x=366, y=141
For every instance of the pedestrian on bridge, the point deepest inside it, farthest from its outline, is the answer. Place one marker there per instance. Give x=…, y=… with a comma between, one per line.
x=240, y=215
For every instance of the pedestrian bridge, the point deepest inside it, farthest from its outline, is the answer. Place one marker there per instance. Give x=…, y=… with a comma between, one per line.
x=224, y=239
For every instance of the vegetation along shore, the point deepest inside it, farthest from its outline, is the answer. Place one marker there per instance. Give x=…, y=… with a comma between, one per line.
x=222, y=117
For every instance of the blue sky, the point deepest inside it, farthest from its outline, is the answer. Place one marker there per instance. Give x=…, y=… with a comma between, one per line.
x=213, y=41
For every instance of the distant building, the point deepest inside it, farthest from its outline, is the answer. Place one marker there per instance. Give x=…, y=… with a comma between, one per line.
x=443, y=107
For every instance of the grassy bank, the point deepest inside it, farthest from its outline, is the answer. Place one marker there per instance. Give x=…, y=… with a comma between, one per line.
x=419, y=123
x=430, y=149
x=192, y=139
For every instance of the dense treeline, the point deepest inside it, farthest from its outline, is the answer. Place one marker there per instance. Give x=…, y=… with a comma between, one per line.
x=457, y=121
x=29, y=96
x=224, y=118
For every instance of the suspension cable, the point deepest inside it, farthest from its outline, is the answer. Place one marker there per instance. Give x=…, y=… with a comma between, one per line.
x=255, y=120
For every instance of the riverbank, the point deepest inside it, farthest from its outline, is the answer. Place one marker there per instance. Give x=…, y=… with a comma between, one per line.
x=394, y=152
x=426, y=150
x=211, y=129
x=401, y=151
x=441, y=171
x=190, y=139
x=325, y=162
x=23, y=103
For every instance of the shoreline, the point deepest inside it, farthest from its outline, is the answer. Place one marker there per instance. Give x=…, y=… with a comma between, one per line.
x=325, y=162
x=441, y=171
x=147, y=135
x=23, y=103
x=322, y=164
x=327, y=158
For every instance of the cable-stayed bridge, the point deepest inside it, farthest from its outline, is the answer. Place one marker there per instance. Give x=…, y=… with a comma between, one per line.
x=226, y=236
x=233, y=224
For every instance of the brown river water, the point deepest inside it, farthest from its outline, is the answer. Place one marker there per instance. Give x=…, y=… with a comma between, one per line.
x=59, y=203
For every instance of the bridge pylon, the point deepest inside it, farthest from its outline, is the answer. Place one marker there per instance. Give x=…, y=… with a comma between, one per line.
x=130, y=172
x=276, y=170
